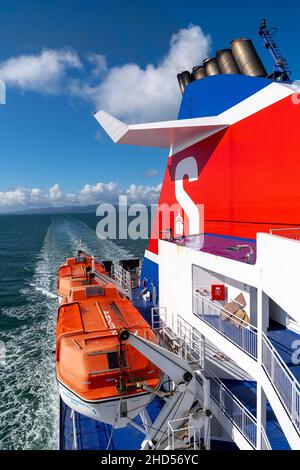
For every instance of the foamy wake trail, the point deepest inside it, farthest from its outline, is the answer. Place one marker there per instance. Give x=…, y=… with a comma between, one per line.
x=29, y=407
x=44, y=291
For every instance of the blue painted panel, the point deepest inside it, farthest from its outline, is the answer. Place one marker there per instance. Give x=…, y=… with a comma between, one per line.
x=149, y=272
x=94, y=435
x=213, y=95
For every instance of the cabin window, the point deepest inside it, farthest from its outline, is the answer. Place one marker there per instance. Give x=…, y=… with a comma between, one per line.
x=94, y=291
x=113, y=360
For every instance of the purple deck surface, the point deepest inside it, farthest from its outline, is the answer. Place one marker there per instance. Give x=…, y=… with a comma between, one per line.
x=221, y=245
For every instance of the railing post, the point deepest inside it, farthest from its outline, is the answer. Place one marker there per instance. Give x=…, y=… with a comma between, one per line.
x=272, y=366
x=202, y=352
x=221, y=398
x=262, y=323
x=294, y=403
x=243, y=337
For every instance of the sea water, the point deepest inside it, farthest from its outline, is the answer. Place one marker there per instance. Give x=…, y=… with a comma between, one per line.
x=31, y=249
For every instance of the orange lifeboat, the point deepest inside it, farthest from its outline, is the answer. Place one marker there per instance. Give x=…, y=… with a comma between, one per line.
x=98, y=375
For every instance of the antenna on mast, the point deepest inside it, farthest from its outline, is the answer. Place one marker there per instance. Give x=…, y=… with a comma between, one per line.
x=281, y=70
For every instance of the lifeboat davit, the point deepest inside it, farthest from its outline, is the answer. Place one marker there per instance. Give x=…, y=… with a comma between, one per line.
x=100, y=376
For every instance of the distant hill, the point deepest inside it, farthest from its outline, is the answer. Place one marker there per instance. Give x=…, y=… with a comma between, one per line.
x=55, y=210
x=59, y=210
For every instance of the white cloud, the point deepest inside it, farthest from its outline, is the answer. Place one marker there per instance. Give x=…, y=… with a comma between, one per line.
x=99, y=63
x=151, y=173
x=144, y=194
x=128, y=91
x=43, y=72
x=24, y=198
x=151, y=93
x=90, y=194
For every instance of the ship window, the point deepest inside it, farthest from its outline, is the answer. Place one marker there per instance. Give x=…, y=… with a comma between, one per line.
x=113, y=360
x=80, y=260
x=93, y=291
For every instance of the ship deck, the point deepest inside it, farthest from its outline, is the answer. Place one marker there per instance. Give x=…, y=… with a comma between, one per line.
x=238, y=249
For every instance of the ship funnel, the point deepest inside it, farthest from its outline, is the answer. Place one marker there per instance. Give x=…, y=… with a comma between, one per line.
x=247, y=58
x=198, y=72
x=184, y=79
x=211, y=67
x=227, y=62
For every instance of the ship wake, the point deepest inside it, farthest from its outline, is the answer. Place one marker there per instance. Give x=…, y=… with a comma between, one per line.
x=29, y=406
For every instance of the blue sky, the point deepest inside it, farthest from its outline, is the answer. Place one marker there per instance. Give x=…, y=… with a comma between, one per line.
x=63, y=60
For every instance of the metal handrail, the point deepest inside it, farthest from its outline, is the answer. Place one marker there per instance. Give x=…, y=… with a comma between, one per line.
x=240, y=416
x=191, y=342
x=281, y=378
x=118, y=274
x=264, y=440
x=227, y=312
x=285, y=383
x=244, y=335
x=279, y=358
x=250, y=436
x=186, y=340
x=235, y=398
x=158, y=317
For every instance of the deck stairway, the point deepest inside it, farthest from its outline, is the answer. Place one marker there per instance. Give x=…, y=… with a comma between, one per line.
x=181, y=337
x=283, y=339
x=245, y=391
x=280, y=375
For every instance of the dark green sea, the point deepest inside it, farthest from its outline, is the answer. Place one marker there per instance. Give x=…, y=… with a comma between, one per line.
x=31, y=249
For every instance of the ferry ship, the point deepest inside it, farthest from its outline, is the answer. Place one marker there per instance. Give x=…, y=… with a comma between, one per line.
x=219, y=280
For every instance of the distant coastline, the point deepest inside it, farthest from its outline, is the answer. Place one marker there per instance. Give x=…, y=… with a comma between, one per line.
x=54, y=210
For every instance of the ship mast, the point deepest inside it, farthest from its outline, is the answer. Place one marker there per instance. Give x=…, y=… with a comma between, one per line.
x=281, y=70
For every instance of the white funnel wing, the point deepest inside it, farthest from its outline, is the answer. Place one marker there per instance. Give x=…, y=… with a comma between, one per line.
x=160, y=134
x=113, y=127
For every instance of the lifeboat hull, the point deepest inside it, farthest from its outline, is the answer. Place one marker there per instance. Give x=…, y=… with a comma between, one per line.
x=115, y=412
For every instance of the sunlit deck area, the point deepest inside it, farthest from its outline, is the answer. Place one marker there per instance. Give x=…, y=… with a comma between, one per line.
x=238, y=249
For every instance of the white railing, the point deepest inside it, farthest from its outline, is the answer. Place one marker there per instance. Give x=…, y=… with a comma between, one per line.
x=182, y=434
x=158, y=318
x=243, y=420
x=236, y=330
x=129, y=280
x=265, y=444
x=187, y=341
x=235, y=411
x=181, y=337
x=238, y=414
x=284, y=382
x=244, y=336
x=192, y=343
